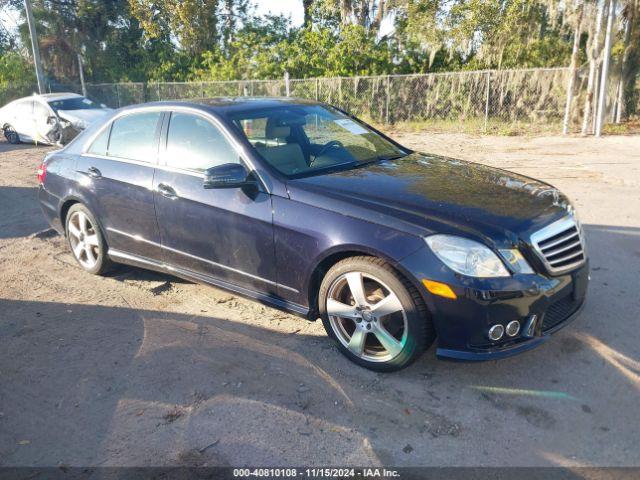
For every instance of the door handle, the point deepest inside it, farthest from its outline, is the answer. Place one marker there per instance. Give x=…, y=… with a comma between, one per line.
x=93, y=172
x=166, y=191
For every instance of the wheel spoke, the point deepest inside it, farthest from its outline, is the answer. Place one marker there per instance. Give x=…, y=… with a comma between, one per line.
x=340, y=309
x=91, y=257
x=389, y=304
x=354, y=279
x=73, y=230
x=356, y=343
x=77, y=250
x=388, y=341
x=83, y=222
x=91, y=240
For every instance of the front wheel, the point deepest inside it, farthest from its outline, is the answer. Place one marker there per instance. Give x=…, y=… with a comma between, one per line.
x=377, y=318
x=86, y=240
x=11, y=135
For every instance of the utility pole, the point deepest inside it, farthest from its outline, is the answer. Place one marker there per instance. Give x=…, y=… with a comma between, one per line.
x=602, y=100
x=34, y=46
x=84, y=87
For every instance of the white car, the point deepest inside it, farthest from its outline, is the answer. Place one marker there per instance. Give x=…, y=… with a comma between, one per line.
x=51, y=118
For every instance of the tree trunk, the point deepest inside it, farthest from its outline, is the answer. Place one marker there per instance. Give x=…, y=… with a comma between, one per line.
x=307, y=5
x=593, y=53
x=623, y=83
x=380, y=13
x=346, y=9
x=606, y=60
x=574, y=66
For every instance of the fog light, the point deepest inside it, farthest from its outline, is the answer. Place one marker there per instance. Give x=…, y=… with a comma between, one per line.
x=496, y=332
x=513, y=328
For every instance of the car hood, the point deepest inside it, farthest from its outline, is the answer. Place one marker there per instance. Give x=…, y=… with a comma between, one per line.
x=83, y=118
x=427, y=194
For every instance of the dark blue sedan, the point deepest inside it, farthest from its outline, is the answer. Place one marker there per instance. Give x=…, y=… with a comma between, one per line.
x=301, y=206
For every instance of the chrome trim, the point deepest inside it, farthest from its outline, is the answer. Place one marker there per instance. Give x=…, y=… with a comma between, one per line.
x=529, y=329
x=200, y=259
x=556, y=251
x=553, y=229
x=200, y=277
x=561, y=239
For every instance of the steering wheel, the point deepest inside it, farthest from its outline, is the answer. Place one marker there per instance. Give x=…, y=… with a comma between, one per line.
x=325, y=147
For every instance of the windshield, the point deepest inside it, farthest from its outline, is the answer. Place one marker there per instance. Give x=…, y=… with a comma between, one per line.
x=75, y=103
x=303, y=140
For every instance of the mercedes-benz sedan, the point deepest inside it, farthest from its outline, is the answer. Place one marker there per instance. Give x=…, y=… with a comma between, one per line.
x=301, y=206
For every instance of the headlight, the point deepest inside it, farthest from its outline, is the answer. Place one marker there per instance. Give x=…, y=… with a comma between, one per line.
x=514, y=258
x=466, y=256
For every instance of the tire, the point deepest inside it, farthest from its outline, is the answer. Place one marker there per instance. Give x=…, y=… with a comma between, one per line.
x=86, y=240
x=11, y=135
x=381, y=336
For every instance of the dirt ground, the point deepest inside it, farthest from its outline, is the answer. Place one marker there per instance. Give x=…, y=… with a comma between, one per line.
x=139, y=368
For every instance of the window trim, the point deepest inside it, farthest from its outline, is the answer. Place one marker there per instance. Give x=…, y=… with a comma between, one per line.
x=165, y=109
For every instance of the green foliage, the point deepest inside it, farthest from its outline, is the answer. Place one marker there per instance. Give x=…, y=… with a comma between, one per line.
x=15, y=70
x=169, y=40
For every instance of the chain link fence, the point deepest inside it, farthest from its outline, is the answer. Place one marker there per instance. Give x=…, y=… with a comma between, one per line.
x=493, y=101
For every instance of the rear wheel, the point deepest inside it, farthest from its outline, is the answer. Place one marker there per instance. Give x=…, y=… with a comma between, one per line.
x=11, y=135
x=86, y=240
x=377, y=317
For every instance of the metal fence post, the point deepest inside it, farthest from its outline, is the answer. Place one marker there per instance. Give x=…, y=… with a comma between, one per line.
x=286, y=83
x=317, y=88
x=118, y=95
x=486, y=103
x=387, y=99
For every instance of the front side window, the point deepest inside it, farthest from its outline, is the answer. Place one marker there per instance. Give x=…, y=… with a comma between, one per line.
x=194, y=143
x=303, y=140
x=134, y=137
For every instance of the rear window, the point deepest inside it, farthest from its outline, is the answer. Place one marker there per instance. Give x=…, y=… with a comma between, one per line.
x=134, y=137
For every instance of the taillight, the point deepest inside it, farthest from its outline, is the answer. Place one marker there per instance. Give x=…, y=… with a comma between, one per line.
x=41, y=173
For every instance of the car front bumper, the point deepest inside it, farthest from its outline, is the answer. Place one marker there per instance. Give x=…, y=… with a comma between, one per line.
x=547, y=303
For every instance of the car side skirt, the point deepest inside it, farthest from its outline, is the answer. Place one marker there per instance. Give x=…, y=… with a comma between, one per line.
x=265, y=298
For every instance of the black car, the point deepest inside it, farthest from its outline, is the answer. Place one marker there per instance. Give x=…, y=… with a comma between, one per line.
x=301, y=206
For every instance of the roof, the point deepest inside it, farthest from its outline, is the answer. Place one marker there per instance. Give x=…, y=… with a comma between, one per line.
x=231, y=104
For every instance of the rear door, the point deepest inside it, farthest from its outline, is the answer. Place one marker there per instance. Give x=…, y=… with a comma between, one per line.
x=224, y=233
x=118, y=171
x=22, y=119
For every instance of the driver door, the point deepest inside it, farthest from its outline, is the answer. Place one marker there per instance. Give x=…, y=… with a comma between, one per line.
x=45, y=123
x=222, y=233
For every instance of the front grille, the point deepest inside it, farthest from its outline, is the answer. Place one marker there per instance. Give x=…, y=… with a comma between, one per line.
x=558, y=312
x=560, y=245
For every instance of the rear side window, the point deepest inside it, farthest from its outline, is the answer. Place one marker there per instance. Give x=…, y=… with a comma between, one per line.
x=134, y=137
x=99, y=145
x=194, y=143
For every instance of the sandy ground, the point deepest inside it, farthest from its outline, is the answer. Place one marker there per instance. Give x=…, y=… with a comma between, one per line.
x=139, y=368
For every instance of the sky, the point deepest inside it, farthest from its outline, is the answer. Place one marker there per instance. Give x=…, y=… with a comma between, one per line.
x=291, y=8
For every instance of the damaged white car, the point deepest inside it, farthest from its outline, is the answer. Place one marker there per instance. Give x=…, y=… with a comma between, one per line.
x=51, y=118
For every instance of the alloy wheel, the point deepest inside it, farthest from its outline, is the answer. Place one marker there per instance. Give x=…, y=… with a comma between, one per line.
x=83, y=238
x=367, y=317
x=11, y=135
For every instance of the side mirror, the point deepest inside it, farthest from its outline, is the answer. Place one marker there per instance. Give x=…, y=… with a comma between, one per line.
x=229, y=175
